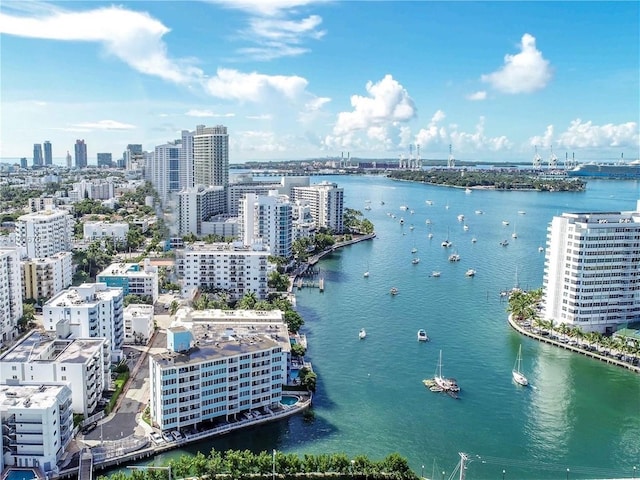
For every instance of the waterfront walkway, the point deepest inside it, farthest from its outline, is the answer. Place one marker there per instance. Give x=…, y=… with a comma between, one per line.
x=579, y=348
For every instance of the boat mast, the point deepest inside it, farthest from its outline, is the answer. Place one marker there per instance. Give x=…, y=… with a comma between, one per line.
x=463, y=459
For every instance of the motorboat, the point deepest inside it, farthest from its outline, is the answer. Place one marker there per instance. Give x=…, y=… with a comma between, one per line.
x=479, y=212
x=362, y=334
x=415, y=261
x=422, y=335
x=366, y=274
x=467, y=191
x=414, y=250
x=428, y=202
x=470, y=273
x=461, y=218
x=435, y=274
x=518, y=376
x=541, y=249
x=430, y=235
x=465, y=227
x=474, y=240
x=446, y=244
x=505, y=222
x=393, y=291
x=454, y=257
x=504, y=243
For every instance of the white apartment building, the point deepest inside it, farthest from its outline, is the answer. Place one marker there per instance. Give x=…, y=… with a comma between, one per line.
x=211, y=156
x=138, y=324
x=82, y=364
x=100, y=230
x=218, y=365
x=592, y=270
x=303, y=224
x=133, y=278
x=223, y=225
x=91, y=310
x=326, y=200
x=236, y=269
x=163, y=170
x=37, y=423
x=44, y=233
x=95, y=190
x=186, y=159
x=10, y=293
x=41, y=203
x=244, y=183
x=198, y=204
x=267, y=219
x=42, y=278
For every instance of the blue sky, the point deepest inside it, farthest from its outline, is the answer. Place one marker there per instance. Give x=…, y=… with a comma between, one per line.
x=297, y=79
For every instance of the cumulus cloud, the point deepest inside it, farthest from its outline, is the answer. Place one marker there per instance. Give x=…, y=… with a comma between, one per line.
x=586, y=134
x=264, y=116
x=436, y=136
x=524, y=72
x=133, y=37
x=544, y=140
x=256, y=87
x=481, y=95
x=208, y=113
x=105, y=125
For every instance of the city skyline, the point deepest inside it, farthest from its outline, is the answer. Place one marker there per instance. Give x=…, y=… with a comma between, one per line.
x=493, y=79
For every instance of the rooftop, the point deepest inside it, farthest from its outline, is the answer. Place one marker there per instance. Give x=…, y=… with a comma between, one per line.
x=40, y=347
x=37, y=396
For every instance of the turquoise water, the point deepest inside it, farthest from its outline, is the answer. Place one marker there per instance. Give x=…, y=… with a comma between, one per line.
x=289, y=400
x=21, y=474
x=579, y=413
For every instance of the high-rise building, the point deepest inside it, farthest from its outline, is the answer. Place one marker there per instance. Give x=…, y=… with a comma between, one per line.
x=104, y=160
x=592, y=270
x=37, y=155
x=326, y=202
x=23, y=162
x=48, y=155
x=267, y=219
x=198, y=204
x=133, y=156
x=186, y=160
x=81, y=154
x=44, y=233
x=10, y=293
x=211, y=156
x=45, y=277
x=163, y=170
x=69, y=164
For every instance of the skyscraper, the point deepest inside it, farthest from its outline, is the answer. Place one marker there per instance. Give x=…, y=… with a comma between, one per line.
x=104, y=160
x=81, y=154
x=211, y=156
x=133, y=156
x=48, y=156
x=37, y=155
x=68, y=159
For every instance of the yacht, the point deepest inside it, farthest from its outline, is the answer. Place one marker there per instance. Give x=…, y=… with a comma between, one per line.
x=415, y=261
x=474, y=240
x=460, y=217
x=454, y=257
x=435, y=274
x=422, y=335
x=470, y=273
x=479, y=212
x=505, y=222
x=362, y=334
x=504, y=243
x=518, y=376
x=393, y=291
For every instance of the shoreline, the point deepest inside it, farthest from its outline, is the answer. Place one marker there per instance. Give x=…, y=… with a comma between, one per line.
x=574, y=348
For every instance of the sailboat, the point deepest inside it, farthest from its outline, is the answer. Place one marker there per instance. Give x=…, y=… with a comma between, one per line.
x=518, y=377
x=446, y=243
x=514, y=234
x=449, y=385
x=366, y=273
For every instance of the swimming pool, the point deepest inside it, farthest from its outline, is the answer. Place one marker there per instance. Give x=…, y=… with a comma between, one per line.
x=289, y=400
x=295, y=373
x=21, y=474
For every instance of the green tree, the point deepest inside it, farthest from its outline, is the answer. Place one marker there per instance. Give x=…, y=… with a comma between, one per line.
x=278, y=281
x=293, y=320
x=298, y=350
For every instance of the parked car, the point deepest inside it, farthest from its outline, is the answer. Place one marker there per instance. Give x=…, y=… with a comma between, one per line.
x=167, y=437
x=177, y=435
x=156, y=437
x=89, y=428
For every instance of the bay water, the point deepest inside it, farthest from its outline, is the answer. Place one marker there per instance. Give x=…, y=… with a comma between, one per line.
x=579, y=418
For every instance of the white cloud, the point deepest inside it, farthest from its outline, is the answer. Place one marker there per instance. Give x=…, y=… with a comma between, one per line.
x=586, y=135
x=388, y=102
x=208, y=113
x=316, y=103
x=266, y=7
x=133, y=37
x=481, y=95
x=524, y=72
x=256, y=87
x=105, y=125
x=264, y=116
x=545, y=140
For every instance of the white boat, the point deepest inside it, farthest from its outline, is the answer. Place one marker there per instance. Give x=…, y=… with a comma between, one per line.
x=446, y=243
x=411, y=227
x=401, y=221
x=435, y=274
x=514, y=234
x=479, y=212
x=541, y=249
x=422, y=335
x=446, y=384
x=393, y=291
x=518, y=377
x=412, y=212
x=467, y=190
x=368, y=207
x=430, y=235
x=427, y=221
x=428, y=202
x=366, y=274
x=505, y=222
x=454, y=257
x=404, y=208
x=461, y=218
x=466, y=227
x=504, y=243
x=362, y=334
x=414, y=250
x=474, y=240
x=470, y=273
x=521, y=212
x=415, y=261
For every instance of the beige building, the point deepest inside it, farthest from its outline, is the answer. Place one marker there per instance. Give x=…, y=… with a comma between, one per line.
x=45, y=277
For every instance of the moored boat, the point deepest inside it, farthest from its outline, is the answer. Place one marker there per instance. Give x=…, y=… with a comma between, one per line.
x=422, y=335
